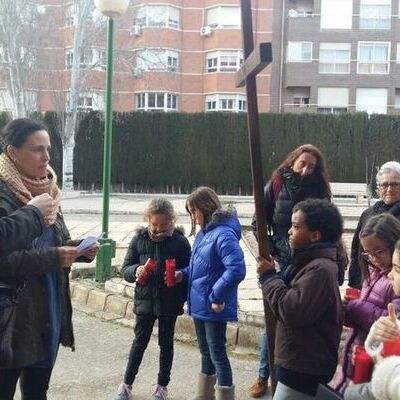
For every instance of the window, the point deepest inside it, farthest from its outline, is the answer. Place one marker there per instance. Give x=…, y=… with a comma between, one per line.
x=398, y=54
x=157, y=60
x=224, y=17
x=6, y=103
x=371, y=100
x=70, y=15
x=299, y=51
x=375, y=14
x=333, y=100
x=85, y=103
x=26, y=56
x=226, y=102
x=69, y=57
x=91, y=101
x=373, y=57
x=218, y=61
x=156, y=101
x=4, y=56
x=301, y=101
x=90, y=58
x=397, y=98
x=334, y=58
x=336, y=14
x=158, y=16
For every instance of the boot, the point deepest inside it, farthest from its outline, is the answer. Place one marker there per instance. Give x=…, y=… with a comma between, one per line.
x=205, y=387
x=225, y=392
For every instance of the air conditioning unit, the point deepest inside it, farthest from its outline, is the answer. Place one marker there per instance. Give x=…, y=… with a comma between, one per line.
x=137, y=72
x=292, y=13
x=205, y=30
x=136, y=30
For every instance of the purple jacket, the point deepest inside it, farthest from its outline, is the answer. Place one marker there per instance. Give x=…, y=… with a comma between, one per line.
x=360, y=314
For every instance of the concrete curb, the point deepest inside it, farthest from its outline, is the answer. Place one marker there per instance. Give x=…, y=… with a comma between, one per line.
x=115, y=304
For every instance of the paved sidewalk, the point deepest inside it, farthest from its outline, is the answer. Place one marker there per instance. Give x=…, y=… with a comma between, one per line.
x=82, y=212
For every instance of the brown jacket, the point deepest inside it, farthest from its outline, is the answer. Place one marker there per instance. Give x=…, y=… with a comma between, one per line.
x=308, y=309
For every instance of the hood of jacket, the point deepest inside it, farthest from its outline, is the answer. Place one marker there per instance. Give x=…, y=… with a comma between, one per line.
x=179, y=230
x=225, y=216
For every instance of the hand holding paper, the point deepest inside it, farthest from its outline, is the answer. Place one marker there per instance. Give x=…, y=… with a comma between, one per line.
x=88, y=242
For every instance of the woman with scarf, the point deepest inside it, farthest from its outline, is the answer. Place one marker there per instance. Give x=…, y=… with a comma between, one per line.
x=43, y=312
x=154, y=300
x=302, y=175
x=388, y=185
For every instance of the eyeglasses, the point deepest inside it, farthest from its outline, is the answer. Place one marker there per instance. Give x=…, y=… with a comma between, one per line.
x=380, y=253
x=386, y=185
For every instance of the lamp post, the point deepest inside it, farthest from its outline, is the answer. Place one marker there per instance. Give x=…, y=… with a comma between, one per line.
x=111, y=9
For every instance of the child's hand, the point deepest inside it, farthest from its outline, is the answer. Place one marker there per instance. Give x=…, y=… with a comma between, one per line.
x=264, y=265
x=139, y=271
x=217, y=308
x=178, y=276
x=386, y=328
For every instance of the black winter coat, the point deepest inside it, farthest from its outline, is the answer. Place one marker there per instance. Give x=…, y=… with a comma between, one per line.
x=18, y=230
x=28, y=267
x=378, y=208
x=154, y=297
x=279, y=206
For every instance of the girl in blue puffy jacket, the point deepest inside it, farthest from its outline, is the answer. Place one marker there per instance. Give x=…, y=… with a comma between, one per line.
x=216, y=268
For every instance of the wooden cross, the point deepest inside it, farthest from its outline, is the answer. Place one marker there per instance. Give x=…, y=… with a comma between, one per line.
x=256, y=60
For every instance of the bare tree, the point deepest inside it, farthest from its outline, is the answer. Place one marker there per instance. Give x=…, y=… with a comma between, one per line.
x=19, y=39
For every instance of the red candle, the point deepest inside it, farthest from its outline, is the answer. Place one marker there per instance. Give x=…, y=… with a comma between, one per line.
x=391, y=348
x=147, y=271
x=352, y=293
x=170, y=266
x=362, y=366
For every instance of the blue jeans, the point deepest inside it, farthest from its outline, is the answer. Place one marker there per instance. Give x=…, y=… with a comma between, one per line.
x=211, y=337
x=263, y=367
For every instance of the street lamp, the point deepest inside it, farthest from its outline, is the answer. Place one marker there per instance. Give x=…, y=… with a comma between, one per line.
x=111, y=9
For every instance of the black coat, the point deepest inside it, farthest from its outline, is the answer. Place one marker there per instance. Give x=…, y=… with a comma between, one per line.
x=28, y=267
x=154, y=297
x=378, y=208
x=279, y=207
x=19, y=229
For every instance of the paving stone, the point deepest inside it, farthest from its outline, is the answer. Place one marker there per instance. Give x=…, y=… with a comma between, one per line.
x=129, y=314
x=185, y=326
x=97, y=299
x=249, y=336
x=116, y=304
x=232, y=333
x=115, y=285
x=81, y=293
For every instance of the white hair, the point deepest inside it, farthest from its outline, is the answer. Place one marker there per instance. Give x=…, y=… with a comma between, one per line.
x=387, y=168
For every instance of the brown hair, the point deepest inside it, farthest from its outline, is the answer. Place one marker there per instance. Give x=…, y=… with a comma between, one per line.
x=320, y=169
x=387, y=228
x=160, y=205
x=206, y=201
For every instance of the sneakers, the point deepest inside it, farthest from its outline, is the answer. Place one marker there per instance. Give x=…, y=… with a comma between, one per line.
x=160, y=393
x=259, y=388
x=124, y=392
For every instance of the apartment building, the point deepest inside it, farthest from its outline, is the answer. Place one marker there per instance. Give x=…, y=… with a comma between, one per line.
x=333, y=56
x=173, y=55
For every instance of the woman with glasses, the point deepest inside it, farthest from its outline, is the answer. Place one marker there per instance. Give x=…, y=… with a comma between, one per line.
x=388, y=184
x=377, y=239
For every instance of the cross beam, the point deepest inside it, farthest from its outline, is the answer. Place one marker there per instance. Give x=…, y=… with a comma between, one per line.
x=254, y=62
x=258, y=59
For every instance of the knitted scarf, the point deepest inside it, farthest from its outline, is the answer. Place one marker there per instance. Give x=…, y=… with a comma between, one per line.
x=159, y=237
x=25, y=188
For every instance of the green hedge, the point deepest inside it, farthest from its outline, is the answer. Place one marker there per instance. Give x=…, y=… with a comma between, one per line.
x=174, y=152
